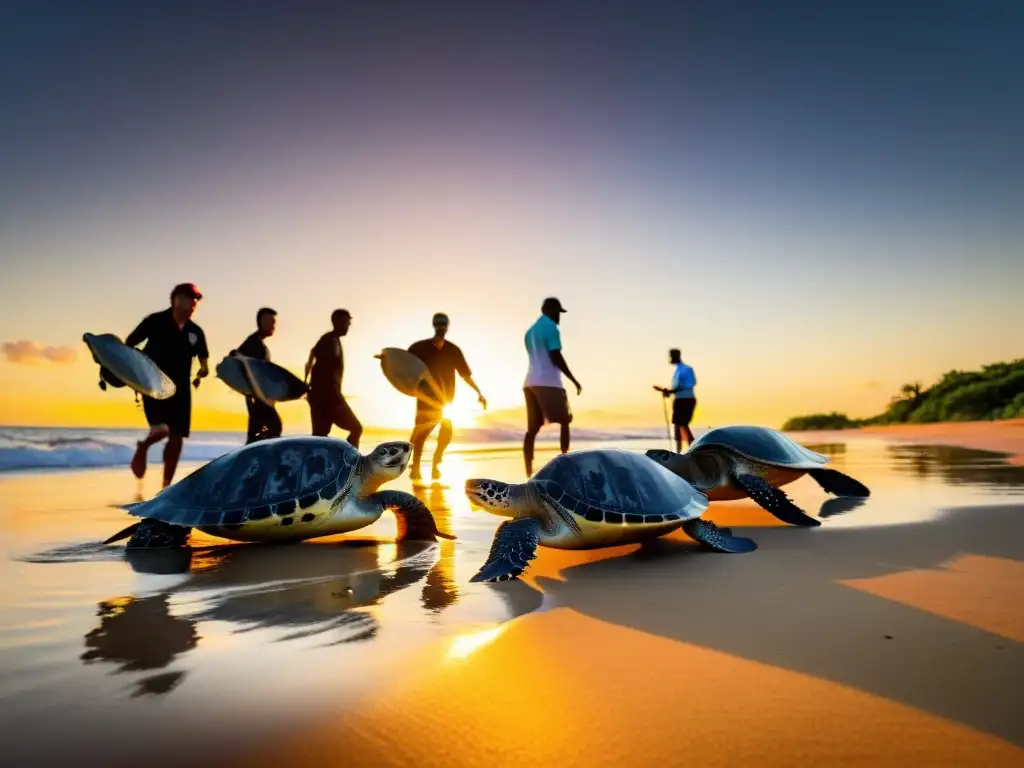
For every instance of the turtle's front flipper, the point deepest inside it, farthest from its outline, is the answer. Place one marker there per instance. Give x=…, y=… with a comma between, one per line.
x=122, y=534
x=415, y=522
x=514, y=546
x=839, y=484
x=713, y=537
x=774, y=500
x=156, y=534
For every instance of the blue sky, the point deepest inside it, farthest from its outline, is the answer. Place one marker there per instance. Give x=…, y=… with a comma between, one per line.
x=815, y=202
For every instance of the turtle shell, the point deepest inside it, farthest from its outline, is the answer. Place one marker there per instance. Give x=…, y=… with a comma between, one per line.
x=616, y=486
x=254, y=482
x=762, y=444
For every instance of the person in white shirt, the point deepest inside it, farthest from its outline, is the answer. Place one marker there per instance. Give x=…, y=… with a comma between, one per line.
x=683, y=382
x=546, y=401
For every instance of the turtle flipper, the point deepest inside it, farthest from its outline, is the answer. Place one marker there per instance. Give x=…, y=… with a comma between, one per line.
x=124, y=534
x=712, y=537
x=839, y=484
x=774, y=500
x=415, y=521
x=514, y=546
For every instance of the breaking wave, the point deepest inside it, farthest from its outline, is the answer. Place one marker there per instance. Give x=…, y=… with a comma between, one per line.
x=36, y=449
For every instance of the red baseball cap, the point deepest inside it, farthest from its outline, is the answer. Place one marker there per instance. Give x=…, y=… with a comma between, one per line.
x=188, y=289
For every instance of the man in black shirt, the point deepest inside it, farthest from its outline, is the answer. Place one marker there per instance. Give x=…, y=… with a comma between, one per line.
x=172, y=340
x=443, y=360
x=264, y=421
x=326, y=363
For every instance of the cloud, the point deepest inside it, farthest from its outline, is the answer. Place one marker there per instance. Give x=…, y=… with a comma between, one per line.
x=28, y=352
x=873, y=384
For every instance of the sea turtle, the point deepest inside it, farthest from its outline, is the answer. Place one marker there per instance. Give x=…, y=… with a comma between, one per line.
x=601, y=497
x=283, y=489
x=740, y=461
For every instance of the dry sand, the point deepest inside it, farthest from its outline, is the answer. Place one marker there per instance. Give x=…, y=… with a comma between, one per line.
x=894, y=645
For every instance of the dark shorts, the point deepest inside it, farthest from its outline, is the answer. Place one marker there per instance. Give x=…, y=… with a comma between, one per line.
x=331, y=411
x=682, y=410
x=546, y=405
x=175, y=412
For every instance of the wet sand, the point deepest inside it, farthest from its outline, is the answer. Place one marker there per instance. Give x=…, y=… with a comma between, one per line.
x=893, y=634
x=1005, y=436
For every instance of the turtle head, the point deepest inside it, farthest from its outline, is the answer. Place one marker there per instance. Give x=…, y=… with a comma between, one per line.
x=491, y=495
x=388, y=460
x=666, y=458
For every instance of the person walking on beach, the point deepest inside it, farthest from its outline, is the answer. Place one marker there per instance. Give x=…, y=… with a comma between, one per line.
x=443, y=359
x=683, y=382
x=172, y=340
x=546, y=400
x=324, y=370
x=264, y=421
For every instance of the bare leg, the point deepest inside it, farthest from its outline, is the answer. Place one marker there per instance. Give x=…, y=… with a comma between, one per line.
x=679, y=437
x=444, y=439
x=275, y=425
x=528, y=440
x=565, y=438
x=156, y=434
x=345, y=418
x=689, y=435
x=420, y=433
x=172, y=452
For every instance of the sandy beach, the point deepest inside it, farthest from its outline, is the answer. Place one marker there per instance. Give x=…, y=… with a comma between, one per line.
x=893, y=634
x=888, y=645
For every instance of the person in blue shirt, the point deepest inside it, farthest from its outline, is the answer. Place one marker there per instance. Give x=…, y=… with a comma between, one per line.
x=683, y=382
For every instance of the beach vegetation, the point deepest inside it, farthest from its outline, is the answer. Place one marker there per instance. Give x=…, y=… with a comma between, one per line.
x=994, y=392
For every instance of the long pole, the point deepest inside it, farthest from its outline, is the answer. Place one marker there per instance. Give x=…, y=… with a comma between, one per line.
x=668, y=426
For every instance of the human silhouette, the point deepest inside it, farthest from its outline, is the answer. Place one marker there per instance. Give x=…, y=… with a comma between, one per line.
x=264, y=420
x=443, y=359
x=172, y=340
x=546, y=401
x=324, y=370
x=684, y=402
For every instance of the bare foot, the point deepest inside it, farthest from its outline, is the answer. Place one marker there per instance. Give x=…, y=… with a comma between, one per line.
x=139, y=461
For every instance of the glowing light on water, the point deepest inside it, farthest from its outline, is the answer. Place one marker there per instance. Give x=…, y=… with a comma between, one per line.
x=463, y=646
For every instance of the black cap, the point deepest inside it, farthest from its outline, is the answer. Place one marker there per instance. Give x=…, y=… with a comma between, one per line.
x=186, y=289
x=440, y=318
x=552, y=303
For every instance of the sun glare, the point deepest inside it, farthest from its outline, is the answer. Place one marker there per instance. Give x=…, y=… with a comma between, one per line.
x=462, y=414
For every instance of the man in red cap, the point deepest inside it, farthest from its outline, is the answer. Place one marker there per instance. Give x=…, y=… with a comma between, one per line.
x=172, y=340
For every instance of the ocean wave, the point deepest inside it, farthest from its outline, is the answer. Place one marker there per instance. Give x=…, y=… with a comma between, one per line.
x=24, y=449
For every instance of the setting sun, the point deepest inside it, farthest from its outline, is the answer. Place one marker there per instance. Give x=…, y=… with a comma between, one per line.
x=463, y=413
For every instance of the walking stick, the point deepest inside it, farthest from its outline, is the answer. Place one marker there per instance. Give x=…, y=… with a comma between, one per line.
x=668, y=426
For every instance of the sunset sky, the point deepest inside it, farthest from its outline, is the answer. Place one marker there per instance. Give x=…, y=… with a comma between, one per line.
x=815, y=203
